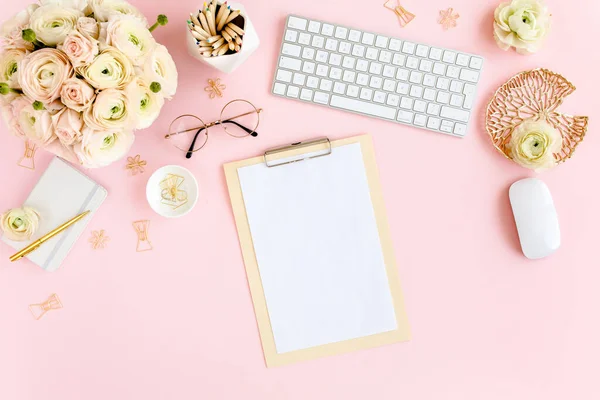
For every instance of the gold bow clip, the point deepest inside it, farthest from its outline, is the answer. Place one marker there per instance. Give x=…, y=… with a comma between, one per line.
x=39, y=310
x=404, y=17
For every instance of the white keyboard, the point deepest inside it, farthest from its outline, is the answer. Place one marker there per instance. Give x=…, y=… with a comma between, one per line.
x=378, y=76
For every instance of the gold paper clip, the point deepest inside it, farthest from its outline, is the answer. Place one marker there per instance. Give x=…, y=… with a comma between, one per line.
x=135, y=164
x=39, y=310
x=141, y=227
x=27, y=161
x=215, y=88
x=171, y=193
x=448, y=18
x=404, y=17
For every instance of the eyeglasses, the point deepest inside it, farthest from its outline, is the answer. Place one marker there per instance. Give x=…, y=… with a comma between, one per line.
x=239, y=119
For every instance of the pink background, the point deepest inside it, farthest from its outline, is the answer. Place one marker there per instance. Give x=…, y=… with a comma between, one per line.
x=178, y=322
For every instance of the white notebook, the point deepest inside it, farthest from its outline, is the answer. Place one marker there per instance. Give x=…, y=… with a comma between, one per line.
x=61, y=193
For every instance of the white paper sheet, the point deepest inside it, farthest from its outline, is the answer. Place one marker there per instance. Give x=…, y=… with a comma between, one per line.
x=318, y=250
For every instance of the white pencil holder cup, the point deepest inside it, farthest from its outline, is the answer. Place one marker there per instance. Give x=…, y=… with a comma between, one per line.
x=228, y=63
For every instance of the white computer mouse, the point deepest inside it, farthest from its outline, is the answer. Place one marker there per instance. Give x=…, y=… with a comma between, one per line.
x=536, y=218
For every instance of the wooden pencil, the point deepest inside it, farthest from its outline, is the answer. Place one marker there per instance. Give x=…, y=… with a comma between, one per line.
x=194, y=19
x=196, y=35
x=211, y=22
x=221, y=11
x=235, y=28
x=204, y=22
x=232, y=16
x=218, y=43
x=201, y=31
x=230, y=32
x=226, y=36
x=223, y=19
x=238, y=40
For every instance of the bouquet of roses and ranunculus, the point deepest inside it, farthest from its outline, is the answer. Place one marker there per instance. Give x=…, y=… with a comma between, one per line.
x=77, y=77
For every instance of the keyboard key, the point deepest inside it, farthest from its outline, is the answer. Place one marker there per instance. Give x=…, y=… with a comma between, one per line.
x=304, y=38
x=405, y=116
x=327, y=30
x=420, y=120
x=291, y=50
x=326, y=85
x=429, y=94
x=341, y=32
x=297, y=23
x=463, y=60
x=449, y=57
x=460, y=129
x=469, y=89
x=283, y=75
x=393, y=100
x=426, y=66
x=399, y=59
x=354, y=36
x=443, y=97
x=416, y=77
x=468, y=103
x=443, y=83
x=318, y=42
x=299, y=79
x=433, y=109
x=379, y=97
x=331, y=44
x=279, y=88
x=385, y=56
x=433, y=123
x=345, y=48
x=339, y=88
x=375, y=68
x=308, y=67
x=335, y=59
x=322, y=70
x=407, y=103
x=368, y=38
x=321, y=56
x=321, y=97
x=358, y=50
x=420, y=106
x=429, y=80
x=389, y=71
x=376, y=82
x=456, y=86
x=422, y=50
x=366, y=94
x=389, y=85
x=381, y=41
x=335, y=73
x=476, y=63
x=362, y=79
x=454, y=114
x=469, y=75
x=435, y=54
x=408, y=48
x=447, y=126
x=290, y=63
x=348, y=62
x=291, y=36
x=402, y=74
x=395, y=44
x=439, y=68
x=306, y=94
x=349, y=76
x=371, y=53
x=456, y=100
x=308, y=53
x=362, y=65
x=453, y=71
x=363, y=107
x=412, y=62
x=402, y=88
x=312, y=82
x=416, y=91
x=293, y=91
x=314, y=26
x=353, y=91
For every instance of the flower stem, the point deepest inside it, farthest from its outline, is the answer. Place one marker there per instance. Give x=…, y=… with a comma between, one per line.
x=161, y=20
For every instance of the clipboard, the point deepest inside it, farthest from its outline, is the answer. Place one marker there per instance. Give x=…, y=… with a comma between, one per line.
x=280, y=158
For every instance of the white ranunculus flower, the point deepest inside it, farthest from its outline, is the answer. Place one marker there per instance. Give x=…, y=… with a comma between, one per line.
x=522, y=24
x=79, y=48
x=20, y=224
x=110, y=69
x=101, y=148
x=52, y=23
x=131, y=36
x=144, y=103
x=77, y=94
x=12, y=29
x=42, y=73
x=9, y=66
x=533, y=144
x=81, y=5
x=104, y=9
x=88, y=27
x=160, y=67
x=111, y=111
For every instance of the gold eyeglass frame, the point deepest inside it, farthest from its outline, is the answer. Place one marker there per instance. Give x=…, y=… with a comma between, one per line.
x=214, y=123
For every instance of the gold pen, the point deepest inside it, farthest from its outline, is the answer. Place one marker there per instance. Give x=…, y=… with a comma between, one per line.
x=47, y=236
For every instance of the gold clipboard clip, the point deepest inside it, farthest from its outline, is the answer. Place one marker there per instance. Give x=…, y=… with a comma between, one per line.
x=298, y=157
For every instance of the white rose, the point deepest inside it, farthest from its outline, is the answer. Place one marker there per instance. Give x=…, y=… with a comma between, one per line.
x=9, y=66
x=110, y=69
x=533, y=144
x=79, y=48
x=160, y=67
x=522, y=24
x=144, y=103
x=81, y=5
x=111, y=111
x=67, y=126
x=20, y=224
x=131, y=36
x=88, y=27
x=42, y=73
x=52, y=23
x=100, y=148
x=77, y=94
x=32, y=124
x=12, y=29
x=104, y=9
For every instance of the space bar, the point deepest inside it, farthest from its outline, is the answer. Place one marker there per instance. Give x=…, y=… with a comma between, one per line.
x=362, y=107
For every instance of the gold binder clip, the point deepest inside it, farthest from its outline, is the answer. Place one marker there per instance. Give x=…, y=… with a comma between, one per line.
x=141, y=227
x=39, y=310
x=322, y=148
x=404, y=17
x=27, y=161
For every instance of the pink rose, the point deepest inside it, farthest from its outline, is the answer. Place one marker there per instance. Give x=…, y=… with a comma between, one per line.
x=67, y=126
x=88, y=27
x=42, y=73
x=77, y=94
x=80, y=49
